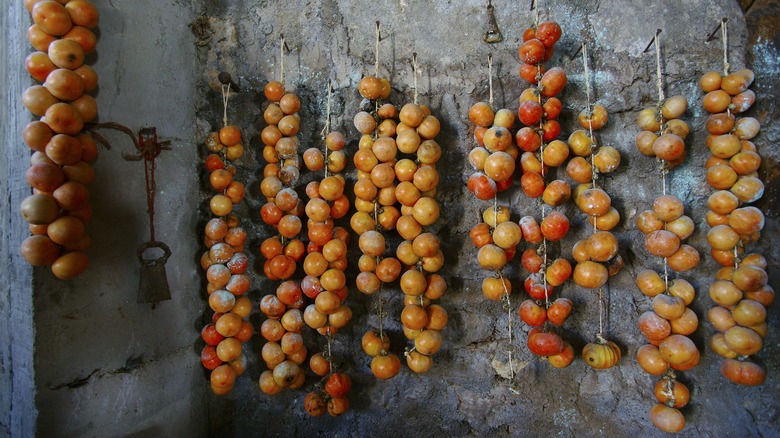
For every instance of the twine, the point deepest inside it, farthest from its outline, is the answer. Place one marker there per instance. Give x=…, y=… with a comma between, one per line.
x=660, y=86
x=589, y=112
x=326, y=130
x=225, y=99
x=535, y=7
x=666, y=273
x=664, y=171
x=376, y=51
x=329, y=357
x=380, y=312
x=281, y=58
x=414, y=72
x=594, y=170
x=508, y=307
x=724, y=28
x=668, y=391
x=659, y=80
x=490, y=77
x=541, y=121
x=601, y=312
x=587, y=93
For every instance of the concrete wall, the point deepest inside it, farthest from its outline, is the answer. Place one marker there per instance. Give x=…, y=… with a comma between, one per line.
x=107, y=366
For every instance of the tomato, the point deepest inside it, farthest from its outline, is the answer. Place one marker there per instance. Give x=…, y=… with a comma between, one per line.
x=314, y=404
x=651, y=361
x=601, y=355
x=532, y=314
x=338, y=385
x=667, y=419
x=545, y=343
x=678, y=350
x=210, y=335
x=548, y=32
x=286, y=373
x=494, y=288
x=223, y=376
x=268, y=384
x=428, y=341
x=531, y=51
x=667, y=391
x=558, y=272
x=743, y=372
x=536, y=289
x=530, y=113
x=564, y=358
x=653, y=326
x=70, y=265
x=385, y=366
x=338, y=406
x=531, y=260
x=208, y=357
x=559, y=311
x=52, y=17
x=554, y=226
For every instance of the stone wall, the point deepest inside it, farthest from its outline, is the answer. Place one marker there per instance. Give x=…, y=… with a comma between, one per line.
x=107, y=366
x=464, y=393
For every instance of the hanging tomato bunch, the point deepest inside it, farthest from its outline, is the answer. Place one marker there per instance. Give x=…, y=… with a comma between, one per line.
x=496, y=237
x=538, y=111
x=326, y=260
x=740, y=290
x=421, y=251
x=284, y=352
x=597, y=256
x=493, y=160
x=60, y=166
x=668, y=325
x=375, y=201
x=225, y=265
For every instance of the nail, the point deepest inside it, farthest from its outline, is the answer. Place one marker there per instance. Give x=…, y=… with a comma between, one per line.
x=657, y=32
x=225, y=79
x=579, y=49
x=715, y=32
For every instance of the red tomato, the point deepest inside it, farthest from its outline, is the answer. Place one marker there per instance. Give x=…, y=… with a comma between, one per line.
x=210, y=335
x=208, y=357
x=532, y=313
x=338, y=385
x=214, y=162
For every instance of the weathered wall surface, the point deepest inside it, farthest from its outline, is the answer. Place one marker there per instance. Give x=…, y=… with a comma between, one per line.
x=463, y=394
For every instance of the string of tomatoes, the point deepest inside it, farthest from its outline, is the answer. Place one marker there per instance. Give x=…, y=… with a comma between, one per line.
x=225, y=262
x=60, y=165
x=326, y=259
x=375, y=212
x=420, y=251
x=539, y=111
x=740, y=292
x=597, y=256
x=284, y=351
x=668, y=325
